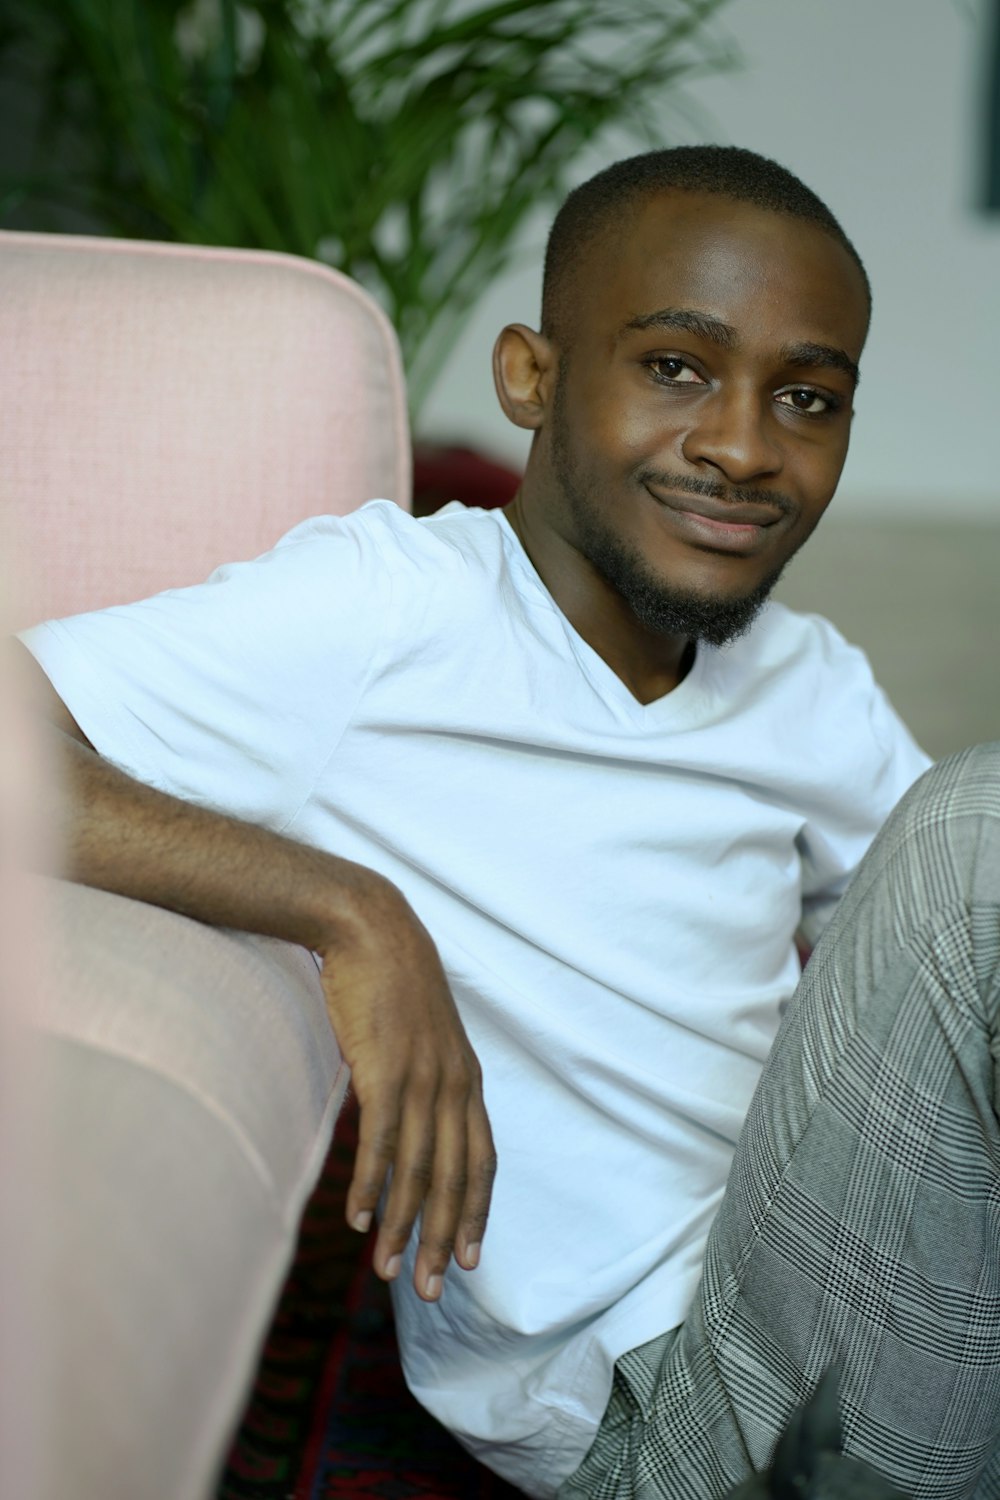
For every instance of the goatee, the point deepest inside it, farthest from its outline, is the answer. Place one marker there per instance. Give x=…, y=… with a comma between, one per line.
x=659, y=606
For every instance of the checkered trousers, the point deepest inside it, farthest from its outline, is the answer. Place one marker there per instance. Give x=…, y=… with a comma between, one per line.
x=861, y=1222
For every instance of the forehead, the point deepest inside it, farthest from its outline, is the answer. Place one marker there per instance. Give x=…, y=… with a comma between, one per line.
x=772, y=278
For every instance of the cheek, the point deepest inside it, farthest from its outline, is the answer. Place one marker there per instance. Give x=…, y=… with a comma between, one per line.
x=818, y=471
x=634, y=430
x=641, y=437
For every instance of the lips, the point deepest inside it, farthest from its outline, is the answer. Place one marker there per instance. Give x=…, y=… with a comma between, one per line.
x=740, y=528
x=725, y=513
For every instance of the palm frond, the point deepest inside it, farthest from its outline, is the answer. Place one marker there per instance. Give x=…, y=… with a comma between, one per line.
x=403, y=140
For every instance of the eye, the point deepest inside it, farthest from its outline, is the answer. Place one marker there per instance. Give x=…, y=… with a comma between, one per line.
x=811, y=403
x=671, y=369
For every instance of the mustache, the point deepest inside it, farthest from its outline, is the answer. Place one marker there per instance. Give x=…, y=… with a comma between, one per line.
x=746, y=494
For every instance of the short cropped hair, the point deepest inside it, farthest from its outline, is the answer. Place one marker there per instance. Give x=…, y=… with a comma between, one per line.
x=730, y=171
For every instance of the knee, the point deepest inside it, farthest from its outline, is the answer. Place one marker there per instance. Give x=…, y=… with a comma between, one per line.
x=964, y=788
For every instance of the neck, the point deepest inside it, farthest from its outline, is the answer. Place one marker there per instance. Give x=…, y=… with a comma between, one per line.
x=649, y=664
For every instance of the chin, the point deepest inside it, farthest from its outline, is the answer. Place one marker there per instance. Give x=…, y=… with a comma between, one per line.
x=707, y=612
x=714, y=620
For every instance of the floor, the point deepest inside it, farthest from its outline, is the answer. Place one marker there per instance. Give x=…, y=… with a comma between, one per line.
x=923, y=600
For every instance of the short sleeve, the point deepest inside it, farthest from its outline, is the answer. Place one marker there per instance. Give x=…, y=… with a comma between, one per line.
x=234, y=693
x=884, y=762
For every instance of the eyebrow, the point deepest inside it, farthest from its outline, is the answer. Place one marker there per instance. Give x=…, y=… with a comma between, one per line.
x=805, y=355
x=685, y=320
x=821, y=356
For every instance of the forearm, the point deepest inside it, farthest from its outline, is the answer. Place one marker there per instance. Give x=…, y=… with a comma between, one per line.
x=122, y=836
x=413, y=1071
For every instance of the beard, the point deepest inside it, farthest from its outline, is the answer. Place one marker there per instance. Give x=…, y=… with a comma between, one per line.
x=662, y=607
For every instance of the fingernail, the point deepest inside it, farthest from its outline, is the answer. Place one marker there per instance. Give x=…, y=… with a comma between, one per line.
x=472, y=1256
x=362, y=1222
x=393, y=1266
x=432, y=1287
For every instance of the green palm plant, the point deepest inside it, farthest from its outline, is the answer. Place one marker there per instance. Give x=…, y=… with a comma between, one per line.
x=403, y=141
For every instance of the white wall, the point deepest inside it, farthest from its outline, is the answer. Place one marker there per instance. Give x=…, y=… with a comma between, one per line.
x=878, y=106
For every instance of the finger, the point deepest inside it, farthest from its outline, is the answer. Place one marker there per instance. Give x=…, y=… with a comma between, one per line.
x=378, y=1137
x=446, y=1198
x=479, y=1192
x=411, y=1178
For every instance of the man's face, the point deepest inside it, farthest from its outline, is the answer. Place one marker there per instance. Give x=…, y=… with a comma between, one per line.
x=702, y=406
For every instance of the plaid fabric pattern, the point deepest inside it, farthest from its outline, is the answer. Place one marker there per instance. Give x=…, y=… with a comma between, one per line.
x=860, y=1222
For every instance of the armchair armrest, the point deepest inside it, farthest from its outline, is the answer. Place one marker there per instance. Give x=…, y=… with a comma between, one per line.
x=192, y=1082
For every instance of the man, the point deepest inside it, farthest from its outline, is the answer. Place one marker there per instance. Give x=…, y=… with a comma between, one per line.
x=558, y=773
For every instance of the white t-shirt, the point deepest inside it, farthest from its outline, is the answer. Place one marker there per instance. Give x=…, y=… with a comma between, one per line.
x=613, y=888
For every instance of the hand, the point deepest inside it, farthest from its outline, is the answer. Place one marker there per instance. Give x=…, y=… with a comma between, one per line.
x=419, y=1088
x=808, y=1462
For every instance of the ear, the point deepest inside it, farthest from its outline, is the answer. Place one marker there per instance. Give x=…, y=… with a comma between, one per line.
x=524, y=365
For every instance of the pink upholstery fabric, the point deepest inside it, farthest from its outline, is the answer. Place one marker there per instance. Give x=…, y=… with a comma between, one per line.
x=25, y=1329
x=162, y=410
x=192, y=1083
x=166, y=408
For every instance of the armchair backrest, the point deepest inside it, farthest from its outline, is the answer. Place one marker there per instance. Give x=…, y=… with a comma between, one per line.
x=166, y=408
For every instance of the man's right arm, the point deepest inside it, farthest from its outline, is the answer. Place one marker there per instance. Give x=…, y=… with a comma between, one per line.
x=416, y=1078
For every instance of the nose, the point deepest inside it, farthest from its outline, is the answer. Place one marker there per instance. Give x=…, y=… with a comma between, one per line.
x=732, y=433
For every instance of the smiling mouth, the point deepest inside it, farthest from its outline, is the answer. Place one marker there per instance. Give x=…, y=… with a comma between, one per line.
x=720, y=525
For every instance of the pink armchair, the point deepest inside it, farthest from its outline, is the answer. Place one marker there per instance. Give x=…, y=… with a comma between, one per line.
x=165, y=409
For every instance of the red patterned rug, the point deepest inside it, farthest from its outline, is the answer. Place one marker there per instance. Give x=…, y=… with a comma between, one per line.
x=329, y=1416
